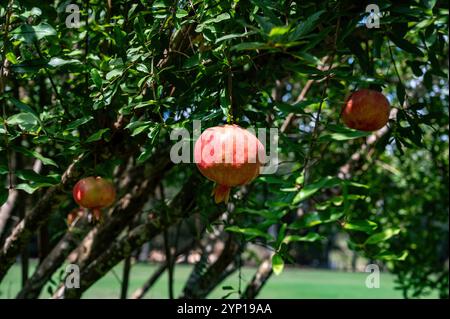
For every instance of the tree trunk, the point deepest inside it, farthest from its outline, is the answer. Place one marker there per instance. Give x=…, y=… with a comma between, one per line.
x=259, y=279
x=205, y=283
x=125, y=278
x=54, y=259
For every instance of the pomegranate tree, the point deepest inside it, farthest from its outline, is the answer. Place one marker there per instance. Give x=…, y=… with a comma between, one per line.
x=366, y=110
x=94, y=193
x=230, y=156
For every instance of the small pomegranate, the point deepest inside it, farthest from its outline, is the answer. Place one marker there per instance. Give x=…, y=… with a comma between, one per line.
x=230, y=156
x=366, y=110
x=94, y=193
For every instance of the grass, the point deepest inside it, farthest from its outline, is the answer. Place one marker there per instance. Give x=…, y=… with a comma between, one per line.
x=293, y=283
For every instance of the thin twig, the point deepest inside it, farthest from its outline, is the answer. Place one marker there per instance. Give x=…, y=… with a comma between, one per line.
x=319, y=111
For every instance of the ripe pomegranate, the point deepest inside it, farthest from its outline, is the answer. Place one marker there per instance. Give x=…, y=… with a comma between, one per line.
x=230, y=156
x=94, y=193
x=366, y=110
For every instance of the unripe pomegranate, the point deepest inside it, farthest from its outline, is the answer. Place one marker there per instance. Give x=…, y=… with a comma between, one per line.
x=94, y=193
x=366, y=110
x=230, y=156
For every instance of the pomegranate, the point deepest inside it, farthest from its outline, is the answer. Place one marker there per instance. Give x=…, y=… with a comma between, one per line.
x=366, y=110
x=94, y=193
x=230, y=156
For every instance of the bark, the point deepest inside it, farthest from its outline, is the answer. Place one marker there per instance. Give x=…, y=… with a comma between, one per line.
x=54, y=260
x=180, y=206
x=125, y=278
x=6, y=210
x=43, y=242
x=259, y=279
x=215, y=273
x=291, y=116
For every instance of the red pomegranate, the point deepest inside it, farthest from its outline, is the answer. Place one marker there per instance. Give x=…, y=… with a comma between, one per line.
x=230, y=156
x=366, y=110
x=94, y=193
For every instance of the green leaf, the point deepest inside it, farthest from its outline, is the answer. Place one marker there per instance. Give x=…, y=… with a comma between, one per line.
x=97, y=135
x=267, y=214
x=310, y=237
x=389, y=256
x=30, y=33
x=405, y=45
x=32, y=153
x=11, y=57
x=24, y=107
x=192, y=61
x=251, y=232
x=153, y=134
x=341, y=133
x=297, y=108
x=26, y=121
x=366, y=226
x=3, y=195
x=96, y=78
x=32, y=176
x=3, y=169
x=142, y=68
x=31, y=188
x=145, y=155
x=138, y=130
x=278, y=31
x=281, y=234
x=234, y=36
x=181, y=13
x=303, y=28
x=401, y=93
x=382, y=236
x=249, y=46
x=219, y=18
x=311, y=189
x=277, y=264
x=56, y=62
x=344, y=136
x=75, y=124
x=113, y=73
x=314, y=218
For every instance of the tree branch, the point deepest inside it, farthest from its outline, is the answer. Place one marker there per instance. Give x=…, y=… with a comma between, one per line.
x=181, y=205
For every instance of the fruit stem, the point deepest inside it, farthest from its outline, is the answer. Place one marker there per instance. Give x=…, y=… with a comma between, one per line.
x=97, y=214
x=221, y=193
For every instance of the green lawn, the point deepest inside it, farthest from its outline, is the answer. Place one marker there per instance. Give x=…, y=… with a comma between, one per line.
x=292, y=283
